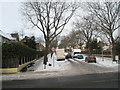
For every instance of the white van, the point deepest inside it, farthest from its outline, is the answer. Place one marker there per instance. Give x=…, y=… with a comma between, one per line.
x=76, y=52
x=60, y=54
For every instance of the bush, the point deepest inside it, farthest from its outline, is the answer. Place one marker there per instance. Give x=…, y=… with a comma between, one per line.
x=16, y=50
x=40, y=53
x=117, y=47
x=13, y=53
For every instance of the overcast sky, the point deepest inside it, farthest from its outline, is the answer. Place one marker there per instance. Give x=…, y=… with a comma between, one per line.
x=11, y=19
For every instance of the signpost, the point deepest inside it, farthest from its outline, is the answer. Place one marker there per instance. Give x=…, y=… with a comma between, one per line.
x=117, y=58
x=111, y=50
x=53, y=50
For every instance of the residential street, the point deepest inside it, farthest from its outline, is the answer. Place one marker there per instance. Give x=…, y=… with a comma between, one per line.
x=72, y=73
x=108, y=80
x=59, y=44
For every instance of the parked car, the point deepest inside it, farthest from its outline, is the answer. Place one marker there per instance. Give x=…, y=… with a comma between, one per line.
x=74, y=56
x=69, y=55
x=78, y=56
x=90, y=59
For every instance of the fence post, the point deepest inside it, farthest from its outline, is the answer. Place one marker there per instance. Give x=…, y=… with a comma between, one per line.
x=24, y=60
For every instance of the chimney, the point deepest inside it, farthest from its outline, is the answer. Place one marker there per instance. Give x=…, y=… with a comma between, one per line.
x=15, y=35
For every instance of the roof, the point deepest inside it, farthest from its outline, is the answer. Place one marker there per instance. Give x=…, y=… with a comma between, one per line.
x=6, y=35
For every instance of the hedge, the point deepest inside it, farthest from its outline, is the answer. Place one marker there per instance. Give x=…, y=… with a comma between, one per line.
x=16, y=53
x=117, y=47
x=96, y=52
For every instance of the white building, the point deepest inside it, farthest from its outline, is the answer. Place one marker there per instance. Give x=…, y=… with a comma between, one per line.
x=5, y=37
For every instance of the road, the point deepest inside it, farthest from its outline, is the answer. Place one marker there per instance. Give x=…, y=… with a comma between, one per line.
x=108, y=80
x=80, y=75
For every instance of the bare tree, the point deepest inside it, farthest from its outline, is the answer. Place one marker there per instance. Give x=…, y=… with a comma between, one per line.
x=107, y=17
x=63, y=42
x=87, y=28
x=75, y=38
x=50, y=18
x=54, y=43
x=71, y=40
x=40, y=40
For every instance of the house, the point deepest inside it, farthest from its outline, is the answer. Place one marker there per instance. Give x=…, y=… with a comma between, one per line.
x=39, y=47
x=83, y=47
x=5, y=37
x=25, y=39
x=105, y=46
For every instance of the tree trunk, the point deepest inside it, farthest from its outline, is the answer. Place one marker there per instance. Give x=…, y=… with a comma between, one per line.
x=113, y=48
x=113, y=51
x=45, y=57
x=89, y=51
x=46, y=53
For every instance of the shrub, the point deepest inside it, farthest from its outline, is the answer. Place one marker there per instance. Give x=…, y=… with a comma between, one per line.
x=13, y=51
x=40, y=53
x=17, y=49
x=117, y=47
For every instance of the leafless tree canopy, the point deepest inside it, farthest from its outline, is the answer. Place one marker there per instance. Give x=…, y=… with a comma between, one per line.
x=107, y=15
x=87, y=27
x=49, y=17
x=72, y=39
